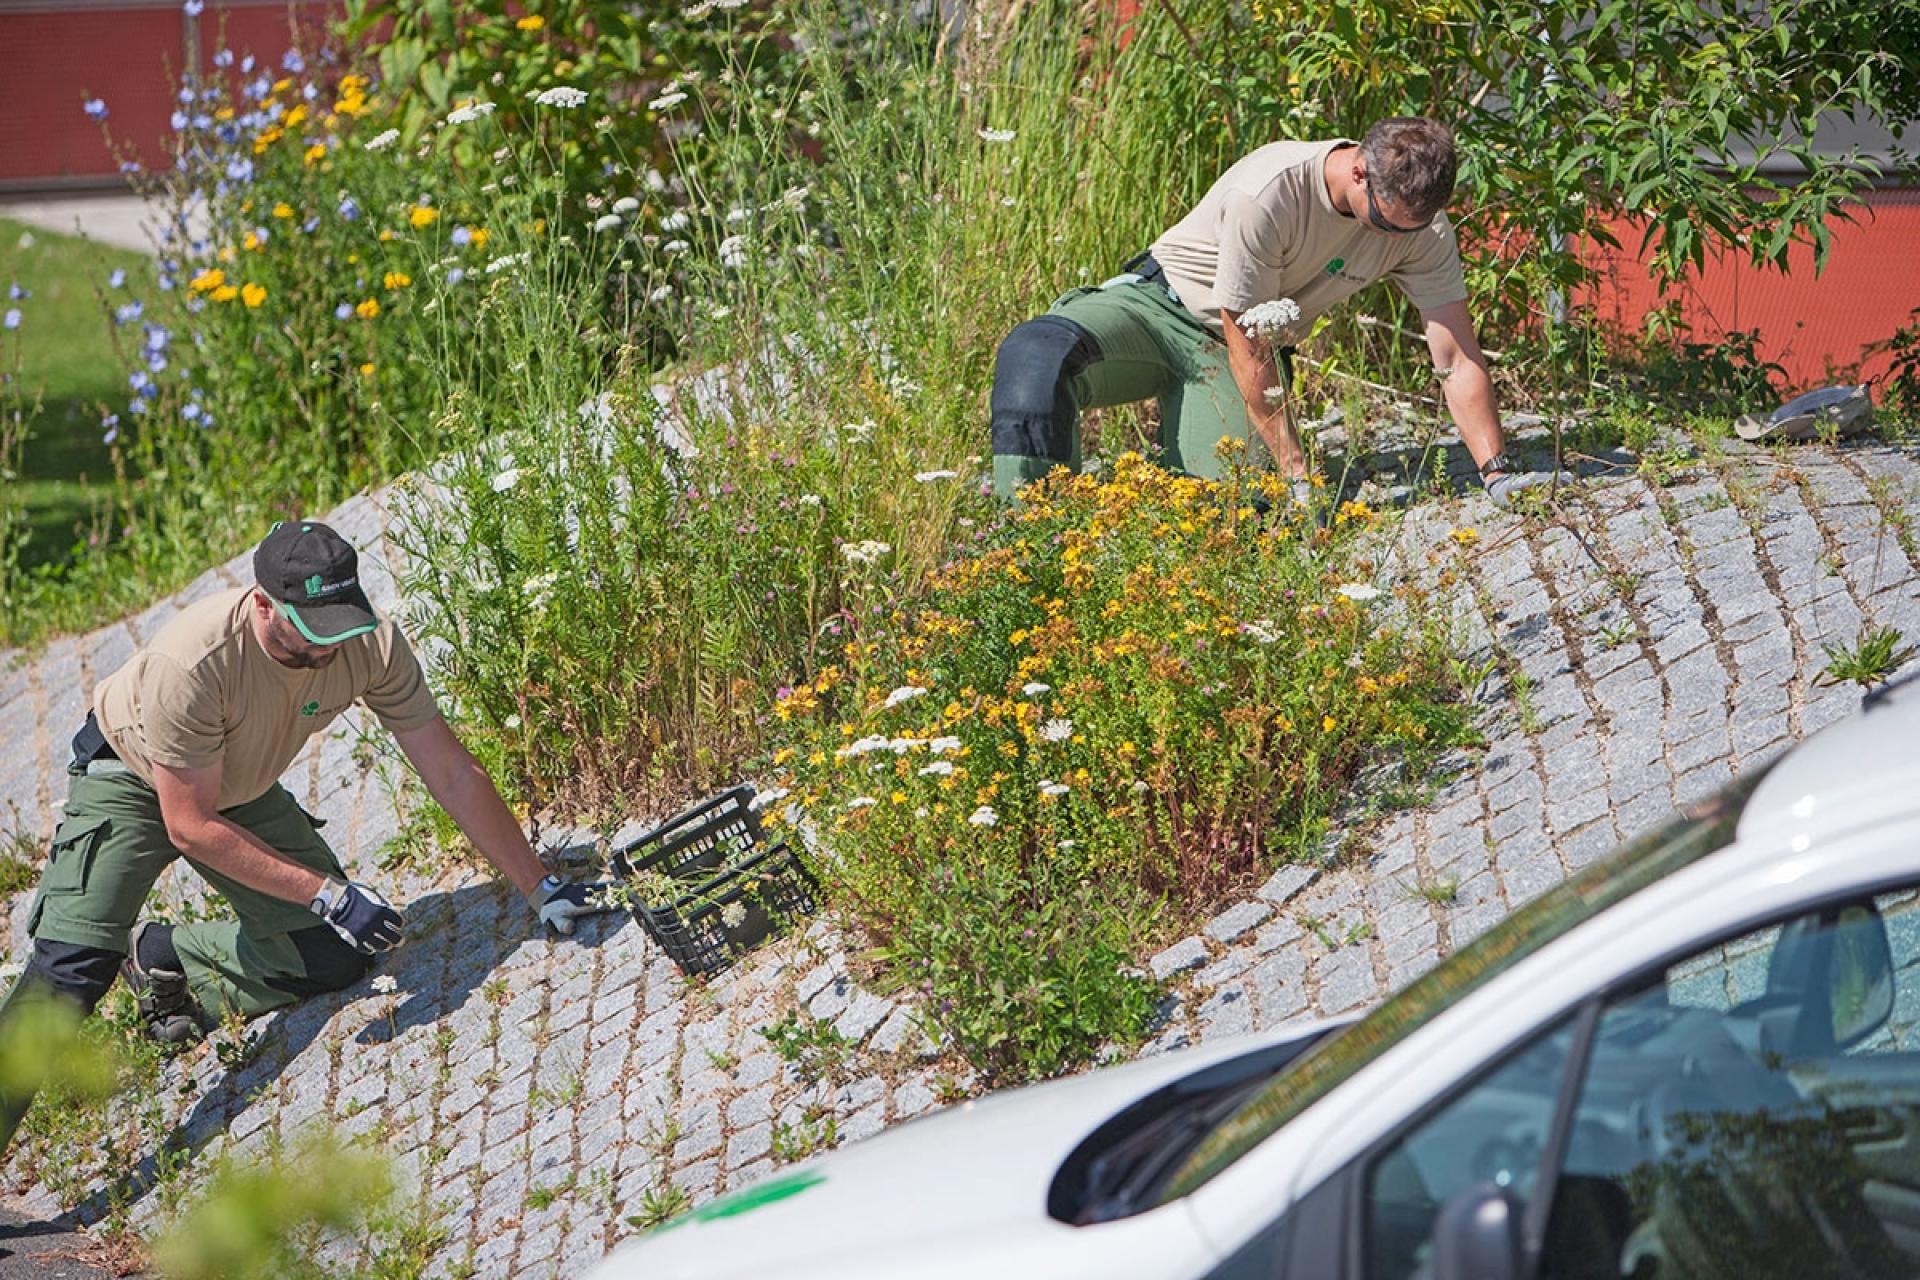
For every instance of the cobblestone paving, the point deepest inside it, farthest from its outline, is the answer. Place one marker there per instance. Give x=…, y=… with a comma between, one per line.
x=538, y=1092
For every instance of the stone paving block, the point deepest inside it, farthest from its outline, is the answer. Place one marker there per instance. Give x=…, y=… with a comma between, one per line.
x=862, y=1015
x=1188, y=953
x=1228, y=1012
x=1225, y=969
x=1286, y=882
x=1345, y=980
x=1236, y=922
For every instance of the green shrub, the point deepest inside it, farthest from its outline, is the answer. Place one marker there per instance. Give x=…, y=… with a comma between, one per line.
x=1119, y=706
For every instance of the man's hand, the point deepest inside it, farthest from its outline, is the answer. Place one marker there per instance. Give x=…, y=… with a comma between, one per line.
x=359, y=914
x=1502, y=487
x=561, y=902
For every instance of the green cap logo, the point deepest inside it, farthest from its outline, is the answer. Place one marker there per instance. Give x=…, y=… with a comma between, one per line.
x=314, y=584
x=312, y=708
x=1335, y=265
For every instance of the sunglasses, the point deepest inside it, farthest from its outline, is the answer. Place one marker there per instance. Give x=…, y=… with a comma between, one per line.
x=1379, y=219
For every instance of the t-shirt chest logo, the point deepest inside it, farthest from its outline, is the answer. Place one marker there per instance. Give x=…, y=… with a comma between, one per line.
x=311, y=707
x=1338, y=267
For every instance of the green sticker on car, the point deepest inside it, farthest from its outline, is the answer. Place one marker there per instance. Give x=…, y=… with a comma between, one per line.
x=754, y=1197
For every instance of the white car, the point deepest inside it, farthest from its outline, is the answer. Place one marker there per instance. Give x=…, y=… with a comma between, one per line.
x=1699, y=1057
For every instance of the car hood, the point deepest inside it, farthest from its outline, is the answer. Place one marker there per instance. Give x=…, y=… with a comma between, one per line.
x=948, y=1193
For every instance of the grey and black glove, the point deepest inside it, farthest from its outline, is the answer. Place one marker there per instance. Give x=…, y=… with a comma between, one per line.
x=1504, y=486
x=561, y=902
x=360, y=915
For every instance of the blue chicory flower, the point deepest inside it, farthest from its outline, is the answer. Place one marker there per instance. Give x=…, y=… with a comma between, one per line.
x=112, y=424
x=201, y=120
x=157, y=338
x=15, y=293
x=179, y=121
x=455, y=276
x=309, y=225
x=240, y=169
x=193, y=8
x=462, y=236
x=129, y=166
x=118, y=280
x=96, y=108
x=246, y=65
x=292, y=63
x=12, y=319
x=190, y=411
x=228, y=133
x=129, y=312
x=348, y=209
x=343, y=312
x=157, y=362
x=223, y=58
x=138, y=380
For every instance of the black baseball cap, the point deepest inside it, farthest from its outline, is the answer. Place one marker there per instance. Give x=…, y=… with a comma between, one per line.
x=313, y=574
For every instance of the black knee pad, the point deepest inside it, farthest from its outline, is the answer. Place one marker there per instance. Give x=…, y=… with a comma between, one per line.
x=81, y=974
x=332, y=963
x=1033, y=410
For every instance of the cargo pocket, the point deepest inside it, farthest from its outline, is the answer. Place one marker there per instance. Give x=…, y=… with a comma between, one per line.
x=69, y=863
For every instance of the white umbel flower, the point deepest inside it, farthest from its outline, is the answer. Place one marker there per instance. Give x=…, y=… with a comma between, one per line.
x=936, y=769
x=471, y=112
x=984, y=816
x=563, y=96
x=1035, y=688
x=1270, y=319
x=905, y=693
x=997, y=136
x=1359, y=591
x=1058, y=729
x=928, y=477
x=866, y=551
x=382, y=140
x=941, y=746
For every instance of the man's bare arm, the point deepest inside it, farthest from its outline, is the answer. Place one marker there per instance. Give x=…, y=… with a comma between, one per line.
x=1255, y=373
x=187, y=799
x=456, y=780
x=1464, y=380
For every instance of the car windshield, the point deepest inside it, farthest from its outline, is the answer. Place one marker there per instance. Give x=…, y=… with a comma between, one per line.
x=1694, y=833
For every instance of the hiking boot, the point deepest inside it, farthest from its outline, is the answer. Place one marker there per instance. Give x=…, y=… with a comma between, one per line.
x=170, y=1013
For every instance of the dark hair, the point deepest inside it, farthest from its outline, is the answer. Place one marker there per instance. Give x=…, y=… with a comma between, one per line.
x=1410, y=161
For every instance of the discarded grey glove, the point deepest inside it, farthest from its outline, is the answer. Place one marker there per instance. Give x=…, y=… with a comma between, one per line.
x=360, y=915
x=562, y=902
x=1504, y=486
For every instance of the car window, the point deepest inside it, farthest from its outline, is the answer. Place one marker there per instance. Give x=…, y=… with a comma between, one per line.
x=1705, y=827
x=1754, y=1111
x=1494, y=1132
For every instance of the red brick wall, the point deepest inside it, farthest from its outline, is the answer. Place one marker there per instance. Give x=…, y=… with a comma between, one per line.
x=56, y=55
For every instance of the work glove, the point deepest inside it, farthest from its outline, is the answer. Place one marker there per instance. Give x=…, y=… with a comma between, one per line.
x=1504, y=486
x=561, y=902
x=359, y=914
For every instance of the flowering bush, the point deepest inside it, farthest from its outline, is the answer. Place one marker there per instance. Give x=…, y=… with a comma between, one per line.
x=1105, y=715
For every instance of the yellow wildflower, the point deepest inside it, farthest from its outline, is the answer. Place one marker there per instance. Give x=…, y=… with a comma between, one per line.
x=226, y=253
x=314, y=154
x=396, y=280
x=1465, y=537
x=252, y=243
x=211, y=278
x=479, y=240
x=224, y=113
x=283, y=210
x=366, y=369
x=368, y=308
x=225, y=293
x=283, y=84
x=253, y=294
x=532, y=22
x=423, y=215
x=297, y=116
x=1327, y=723
x=267, y=138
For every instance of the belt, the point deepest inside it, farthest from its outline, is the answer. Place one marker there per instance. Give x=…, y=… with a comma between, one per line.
x=100, y=768
x=1144, y=265
x=91, y=754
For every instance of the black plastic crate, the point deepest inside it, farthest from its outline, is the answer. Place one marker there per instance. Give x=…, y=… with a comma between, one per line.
x=714, y=833
x=736, y=891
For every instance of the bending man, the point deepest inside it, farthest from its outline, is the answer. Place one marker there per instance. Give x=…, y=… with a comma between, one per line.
x=180, y=758
x=1313, y=222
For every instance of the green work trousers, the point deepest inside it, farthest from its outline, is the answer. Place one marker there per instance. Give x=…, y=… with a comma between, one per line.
x=1146, y=346
x=112, y=845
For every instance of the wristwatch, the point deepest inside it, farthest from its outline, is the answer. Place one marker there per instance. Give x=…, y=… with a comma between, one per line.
x=1500, y=461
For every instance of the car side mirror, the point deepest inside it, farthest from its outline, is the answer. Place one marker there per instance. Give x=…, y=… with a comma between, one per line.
x=1476, y=1236
x=1859, y=976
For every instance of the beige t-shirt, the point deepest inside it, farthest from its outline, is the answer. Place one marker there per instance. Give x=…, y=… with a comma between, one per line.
x=205, y=692
x=1268, y=230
